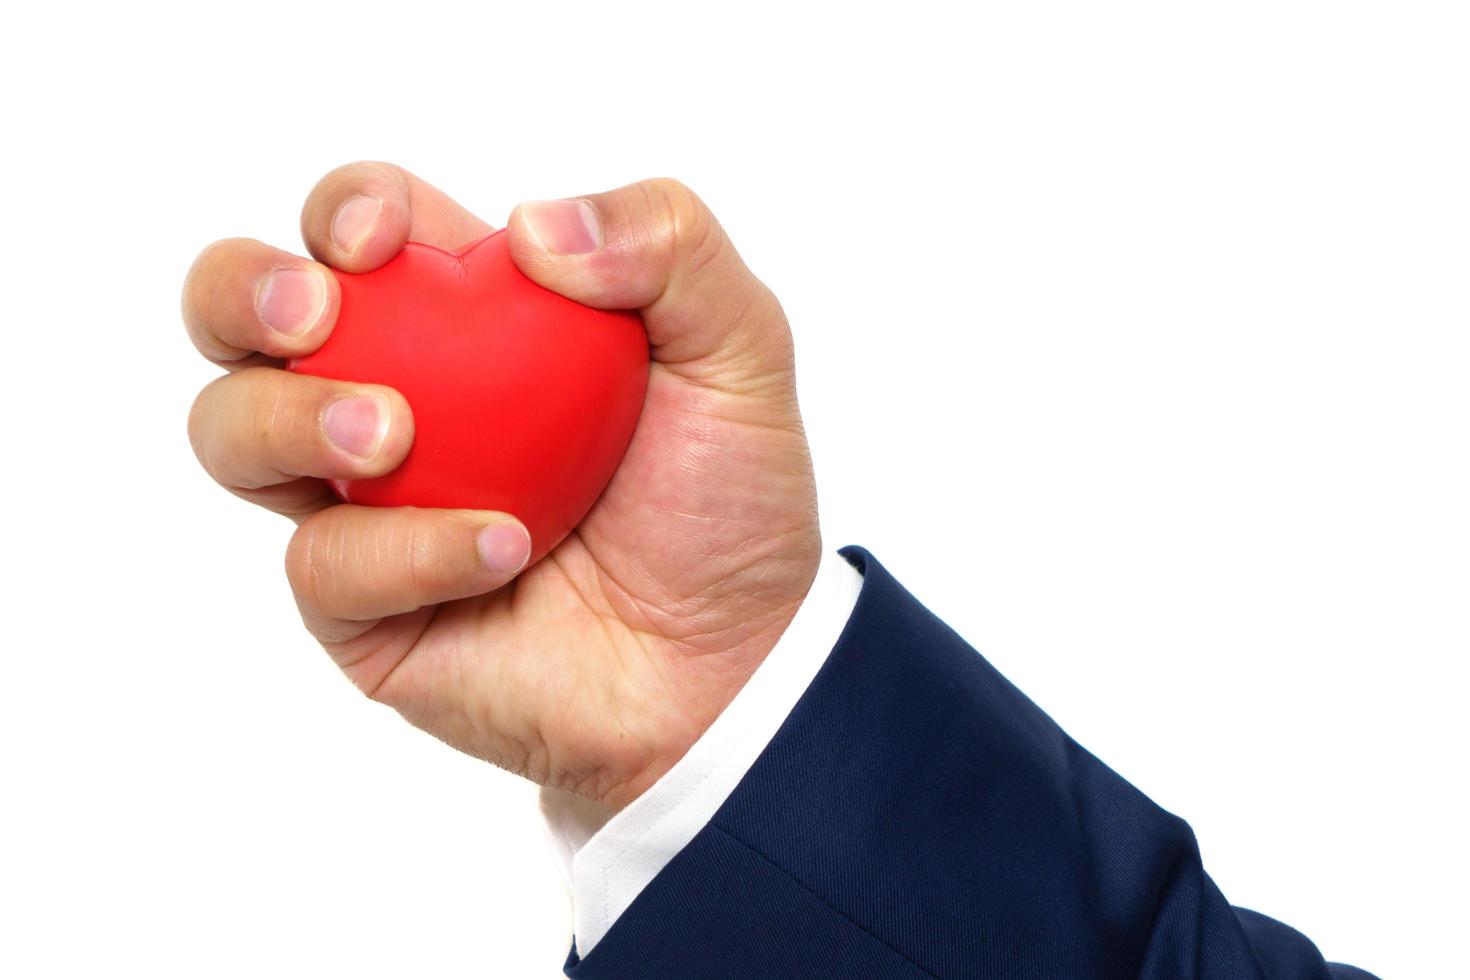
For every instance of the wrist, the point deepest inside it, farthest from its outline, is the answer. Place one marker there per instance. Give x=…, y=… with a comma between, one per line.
x=608, y=858
x=706, y=671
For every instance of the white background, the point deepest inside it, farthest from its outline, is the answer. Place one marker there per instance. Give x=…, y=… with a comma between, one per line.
x=1132, y=337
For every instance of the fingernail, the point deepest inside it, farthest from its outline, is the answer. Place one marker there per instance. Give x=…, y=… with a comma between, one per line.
x=354, y=221
x=291, y=301
x=564, y=227
x=504, y=548
x=356, y=425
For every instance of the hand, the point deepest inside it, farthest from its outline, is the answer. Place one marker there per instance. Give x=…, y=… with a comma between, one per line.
x=596, y=668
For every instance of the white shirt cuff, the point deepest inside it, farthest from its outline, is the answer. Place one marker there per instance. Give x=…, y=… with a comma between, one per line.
x=607, y=859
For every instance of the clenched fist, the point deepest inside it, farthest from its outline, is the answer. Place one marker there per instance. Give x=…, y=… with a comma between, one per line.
x=596, y=668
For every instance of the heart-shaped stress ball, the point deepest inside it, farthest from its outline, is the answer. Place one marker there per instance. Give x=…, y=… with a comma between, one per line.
x=523, y=401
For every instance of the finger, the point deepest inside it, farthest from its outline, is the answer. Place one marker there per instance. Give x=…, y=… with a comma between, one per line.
x=358, y=216
x=654, y=246
x=271, y=436
x=242, y=297
x=351, y=566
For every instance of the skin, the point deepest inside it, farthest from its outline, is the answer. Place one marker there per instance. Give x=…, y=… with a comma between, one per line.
x=595, y=669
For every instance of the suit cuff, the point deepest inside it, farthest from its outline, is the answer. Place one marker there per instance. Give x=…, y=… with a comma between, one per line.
x=606, y=859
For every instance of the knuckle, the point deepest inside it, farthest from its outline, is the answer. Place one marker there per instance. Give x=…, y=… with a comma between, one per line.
x=428, y=565
x=211, y=259
x=418, y=556
x=243, y=429
x=222, y=251
x=304, y=560
x=690, y=233
x=209, y=275
x=270, y=428
x=678, y=211
x=674, y=194
x=201, y=413
x=205, y=293
x=358, y=169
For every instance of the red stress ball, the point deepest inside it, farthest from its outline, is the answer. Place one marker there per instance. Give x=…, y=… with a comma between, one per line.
x=523, y=401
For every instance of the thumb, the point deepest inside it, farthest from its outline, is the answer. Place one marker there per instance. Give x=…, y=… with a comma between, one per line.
x=655, y=247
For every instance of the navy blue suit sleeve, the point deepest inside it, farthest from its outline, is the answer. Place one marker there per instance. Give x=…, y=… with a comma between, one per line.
x=917, y=816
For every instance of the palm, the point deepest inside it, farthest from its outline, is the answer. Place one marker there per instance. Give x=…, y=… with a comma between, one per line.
x=617, y=644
